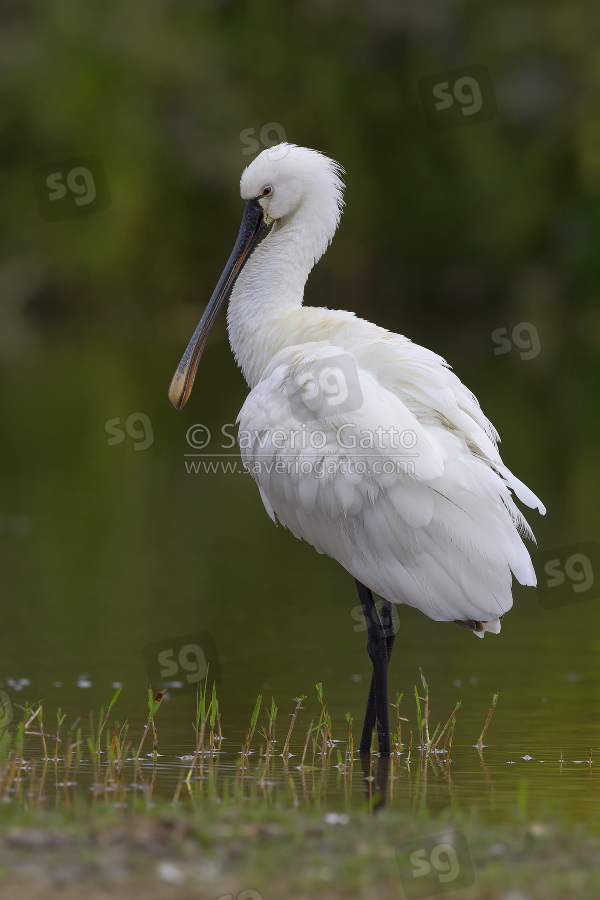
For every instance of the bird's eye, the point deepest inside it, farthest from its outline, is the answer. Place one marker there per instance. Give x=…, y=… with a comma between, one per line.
x=267, y=191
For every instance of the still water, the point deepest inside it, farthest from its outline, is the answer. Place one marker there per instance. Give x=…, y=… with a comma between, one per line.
x=109, y=543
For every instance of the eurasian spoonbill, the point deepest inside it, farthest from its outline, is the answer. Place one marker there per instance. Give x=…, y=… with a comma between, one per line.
x=362, y=443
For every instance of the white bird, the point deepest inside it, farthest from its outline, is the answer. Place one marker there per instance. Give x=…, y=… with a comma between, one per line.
x=362, y=443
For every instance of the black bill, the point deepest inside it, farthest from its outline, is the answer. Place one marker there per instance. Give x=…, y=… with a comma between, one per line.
x=251, y=229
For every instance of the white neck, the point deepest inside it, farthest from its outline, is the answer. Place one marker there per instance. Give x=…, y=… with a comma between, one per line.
x=272, y=285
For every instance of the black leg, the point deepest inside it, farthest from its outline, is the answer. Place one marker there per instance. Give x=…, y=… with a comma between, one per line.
x=369, y=722
x=380, y=642
x=386, y=622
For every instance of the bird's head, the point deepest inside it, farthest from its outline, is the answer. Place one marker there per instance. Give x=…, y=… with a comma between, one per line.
x=286, y=177
x=276, y=185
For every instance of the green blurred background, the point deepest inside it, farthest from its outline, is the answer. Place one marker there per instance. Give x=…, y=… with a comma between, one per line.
x=450, y=236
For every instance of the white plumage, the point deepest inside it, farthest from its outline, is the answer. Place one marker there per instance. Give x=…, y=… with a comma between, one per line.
x=362, y=443
x=437, y=530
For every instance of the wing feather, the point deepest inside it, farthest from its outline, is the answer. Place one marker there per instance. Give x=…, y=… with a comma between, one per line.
x=437, y=527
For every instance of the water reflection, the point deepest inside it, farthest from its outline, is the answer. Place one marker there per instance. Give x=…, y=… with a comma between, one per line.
x=105, y=550
x=137, y=764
